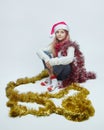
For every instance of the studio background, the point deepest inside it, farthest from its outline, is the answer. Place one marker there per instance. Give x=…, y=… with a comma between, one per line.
x=25, y=26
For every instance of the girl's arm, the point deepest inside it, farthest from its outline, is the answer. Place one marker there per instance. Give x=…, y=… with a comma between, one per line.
x=64, y=60
x=41, y=53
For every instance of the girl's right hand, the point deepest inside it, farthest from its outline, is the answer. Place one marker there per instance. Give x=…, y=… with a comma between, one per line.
x=48, y=65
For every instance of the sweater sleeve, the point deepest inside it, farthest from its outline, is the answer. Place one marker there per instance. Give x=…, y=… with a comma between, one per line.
x=64, y=60
x=42, y=55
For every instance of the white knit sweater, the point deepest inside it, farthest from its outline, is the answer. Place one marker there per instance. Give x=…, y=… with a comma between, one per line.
x=60, y=60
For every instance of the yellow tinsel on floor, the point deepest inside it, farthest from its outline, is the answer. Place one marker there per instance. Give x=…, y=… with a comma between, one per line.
x=76, y=107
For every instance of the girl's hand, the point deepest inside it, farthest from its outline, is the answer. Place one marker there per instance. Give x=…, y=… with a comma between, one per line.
x=48, y=66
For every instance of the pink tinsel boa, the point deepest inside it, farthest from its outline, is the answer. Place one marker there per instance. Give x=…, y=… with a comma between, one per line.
x=79, y=73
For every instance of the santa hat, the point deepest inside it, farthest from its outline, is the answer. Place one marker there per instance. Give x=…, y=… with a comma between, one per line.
x=57, y=26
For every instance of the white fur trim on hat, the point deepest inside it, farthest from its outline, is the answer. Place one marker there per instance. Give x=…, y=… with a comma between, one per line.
x=65, y=27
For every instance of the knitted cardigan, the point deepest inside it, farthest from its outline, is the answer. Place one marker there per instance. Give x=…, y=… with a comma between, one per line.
x=78, y=73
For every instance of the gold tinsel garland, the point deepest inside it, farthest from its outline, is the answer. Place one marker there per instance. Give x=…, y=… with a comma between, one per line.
x=76, y=107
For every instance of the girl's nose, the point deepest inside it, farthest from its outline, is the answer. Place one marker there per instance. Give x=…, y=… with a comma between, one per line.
x=59, y=33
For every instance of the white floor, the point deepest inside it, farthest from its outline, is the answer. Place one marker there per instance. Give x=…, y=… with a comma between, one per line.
x=24, y=28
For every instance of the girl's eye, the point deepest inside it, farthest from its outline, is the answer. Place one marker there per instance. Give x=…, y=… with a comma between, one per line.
x=61, y=32
x=57, y=32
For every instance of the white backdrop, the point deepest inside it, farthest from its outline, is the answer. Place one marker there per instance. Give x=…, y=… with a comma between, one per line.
x=24, y=28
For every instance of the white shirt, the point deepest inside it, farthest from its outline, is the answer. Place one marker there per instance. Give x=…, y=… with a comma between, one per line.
x=60, y=60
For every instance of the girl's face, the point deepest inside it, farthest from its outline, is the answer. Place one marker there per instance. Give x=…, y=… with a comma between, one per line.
x=61, y=34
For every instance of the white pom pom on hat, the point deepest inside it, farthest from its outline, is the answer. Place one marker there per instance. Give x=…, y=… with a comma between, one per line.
x=57, y=26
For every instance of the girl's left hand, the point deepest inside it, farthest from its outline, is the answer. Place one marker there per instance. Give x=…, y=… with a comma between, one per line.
x=48, y=65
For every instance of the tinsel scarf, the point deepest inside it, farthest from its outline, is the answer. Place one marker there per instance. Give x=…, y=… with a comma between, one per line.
x=76, y=107
x=79, y=74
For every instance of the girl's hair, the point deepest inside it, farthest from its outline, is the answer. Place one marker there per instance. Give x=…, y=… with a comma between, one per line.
x=55, y=41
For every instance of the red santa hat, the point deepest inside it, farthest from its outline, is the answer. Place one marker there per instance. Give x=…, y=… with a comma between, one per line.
x=57, y=26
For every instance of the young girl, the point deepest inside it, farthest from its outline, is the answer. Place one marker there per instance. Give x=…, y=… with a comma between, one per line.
x=63, y=60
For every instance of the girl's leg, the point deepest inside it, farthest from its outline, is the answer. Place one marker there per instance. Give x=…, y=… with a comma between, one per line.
x=52, y=80
x=62, y=71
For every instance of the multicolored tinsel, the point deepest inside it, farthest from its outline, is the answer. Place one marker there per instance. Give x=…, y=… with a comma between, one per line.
x=75, y=107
